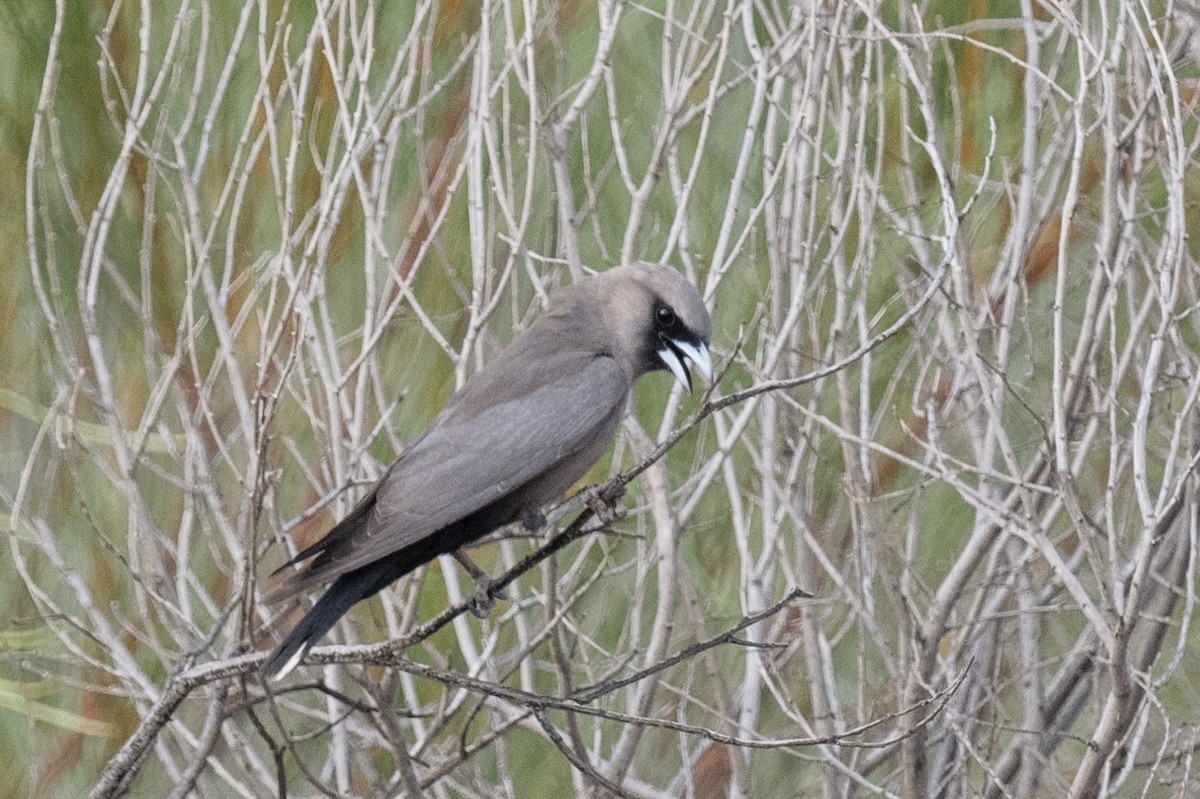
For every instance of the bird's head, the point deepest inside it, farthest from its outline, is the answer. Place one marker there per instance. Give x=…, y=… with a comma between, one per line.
x=659, y=320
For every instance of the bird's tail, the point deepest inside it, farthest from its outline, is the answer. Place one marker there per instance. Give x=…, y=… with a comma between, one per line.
x=357, y=585
x=329, y=608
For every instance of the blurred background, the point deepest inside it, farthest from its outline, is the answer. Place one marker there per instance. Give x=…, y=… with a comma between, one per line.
x=250, y=249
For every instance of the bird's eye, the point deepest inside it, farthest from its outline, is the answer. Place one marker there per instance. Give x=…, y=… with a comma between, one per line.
x=664, y=315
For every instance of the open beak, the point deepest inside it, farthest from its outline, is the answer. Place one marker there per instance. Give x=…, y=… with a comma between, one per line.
x=676, y=353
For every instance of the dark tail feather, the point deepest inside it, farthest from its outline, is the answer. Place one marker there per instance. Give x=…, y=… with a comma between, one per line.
x=359, y=584
x=344, y=592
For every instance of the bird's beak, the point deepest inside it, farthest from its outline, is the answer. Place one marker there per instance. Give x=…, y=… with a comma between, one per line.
x=675, y=354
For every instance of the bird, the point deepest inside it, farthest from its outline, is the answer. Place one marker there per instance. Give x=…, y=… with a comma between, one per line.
x=517, y=435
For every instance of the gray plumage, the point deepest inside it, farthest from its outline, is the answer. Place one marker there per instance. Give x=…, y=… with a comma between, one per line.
x=515, y=437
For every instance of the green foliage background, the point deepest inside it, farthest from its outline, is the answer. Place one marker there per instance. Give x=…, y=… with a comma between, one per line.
x=879, y=460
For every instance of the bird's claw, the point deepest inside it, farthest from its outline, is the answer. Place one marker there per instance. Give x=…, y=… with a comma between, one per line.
x=480, y=605
x=485, y=597
x=605, y=502
x=487, y=590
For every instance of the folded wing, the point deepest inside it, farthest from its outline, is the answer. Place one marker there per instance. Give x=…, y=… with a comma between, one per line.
x=468, y=461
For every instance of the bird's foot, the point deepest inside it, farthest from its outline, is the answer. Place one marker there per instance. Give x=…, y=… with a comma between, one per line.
x=487, y=591
x=485, y=597
x=605, y=502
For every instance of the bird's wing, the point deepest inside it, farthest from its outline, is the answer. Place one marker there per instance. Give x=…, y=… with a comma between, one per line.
x=475, y=454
